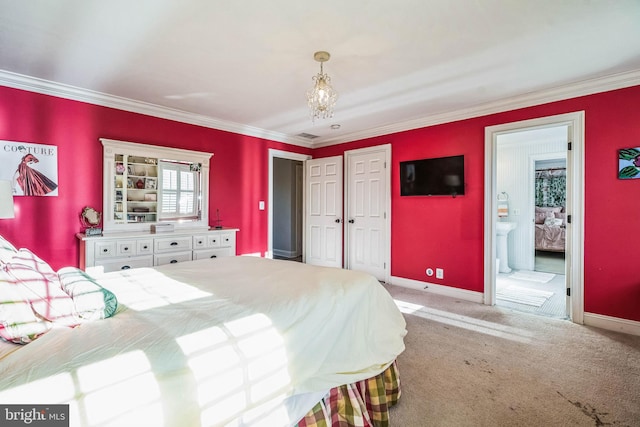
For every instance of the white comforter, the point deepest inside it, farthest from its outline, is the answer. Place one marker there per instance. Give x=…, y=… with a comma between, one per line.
x=226, y=341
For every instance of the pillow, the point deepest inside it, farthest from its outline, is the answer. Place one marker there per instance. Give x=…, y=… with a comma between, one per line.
x=91, y=301
x=18, y=322
x=40, y=287
x=561, y=215
x=540, y=217
x=7, y=250
x=553, y=221
x=547, y=209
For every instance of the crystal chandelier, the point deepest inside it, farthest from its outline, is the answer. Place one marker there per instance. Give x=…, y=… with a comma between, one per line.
x=321, y=98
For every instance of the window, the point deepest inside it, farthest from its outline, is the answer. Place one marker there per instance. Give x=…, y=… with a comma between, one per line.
x=179, y=187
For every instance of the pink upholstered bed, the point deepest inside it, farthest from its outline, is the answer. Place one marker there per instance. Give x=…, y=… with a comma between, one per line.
x=237, y=341
x=550, y=229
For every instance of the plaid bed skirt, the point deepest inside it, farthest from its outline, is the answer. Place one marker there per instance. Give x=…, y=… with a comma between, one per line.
x=362, y=404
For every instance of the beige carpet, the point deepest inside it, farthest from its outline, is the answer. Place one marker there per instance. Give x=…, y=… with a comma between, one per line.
x=468, y=364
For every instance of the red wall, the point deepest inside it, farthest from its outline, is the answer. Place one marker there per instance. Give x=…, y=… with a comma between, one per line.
x=442, y=232
x=47, y=225
x=448, y=233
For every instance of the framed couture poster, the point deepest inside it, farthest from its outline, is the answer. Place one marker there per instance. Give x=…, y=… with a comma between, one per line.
x=31, y=168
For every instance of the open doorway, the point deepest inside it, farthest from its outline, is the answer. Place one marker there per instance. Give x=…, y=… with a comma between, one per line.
x=512, y=151
x=286, y=205
x=531, y=184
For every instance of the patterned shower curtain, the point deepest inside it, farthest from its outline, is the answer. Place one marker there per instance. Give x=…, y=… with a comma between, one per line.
x=551, y=187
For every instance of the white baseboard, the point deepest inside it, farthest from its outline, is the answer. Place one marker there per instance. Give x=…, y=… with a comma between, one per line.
x=617, y=324
x=449, y=291
x=590, y=319
x=285, y=254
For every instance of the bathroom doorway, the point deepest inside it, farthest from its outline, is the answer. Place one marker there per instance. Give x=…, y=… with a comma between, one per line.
x=512, y=151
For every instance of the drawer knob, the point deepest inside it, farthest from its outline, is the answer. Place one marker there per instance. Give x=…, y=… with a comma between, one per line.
x=199, y=242
x=173, y=261
x=105, y=250
x=145, y=247
x=126, y=248
x=125, y=267
x=213, y=256
x=174, y=243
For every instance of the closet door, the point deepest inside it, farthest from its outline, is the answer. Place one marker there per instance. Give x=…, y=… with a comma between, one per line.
x=324, y=212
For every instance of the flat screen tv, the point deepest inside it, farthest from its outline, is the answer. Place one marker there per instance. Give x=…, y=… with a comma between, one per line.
x=442, y=176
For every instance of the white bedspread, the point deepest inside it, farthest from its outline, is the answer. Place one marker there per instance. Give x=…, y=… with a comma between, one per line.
x=214, y=342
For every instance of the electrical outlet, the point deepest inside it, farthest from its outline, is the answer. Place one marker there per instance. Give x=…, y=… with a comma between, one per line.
x=439, y=273
x=261, y=205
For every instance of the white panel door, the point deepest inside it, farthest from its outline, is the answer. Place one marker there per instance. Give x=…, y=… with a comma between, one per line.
x=366, y=213
x=324, y=212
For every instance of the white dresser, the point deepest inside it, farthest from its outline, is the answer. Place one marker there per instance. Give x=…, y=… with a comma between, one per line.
x=121, y=251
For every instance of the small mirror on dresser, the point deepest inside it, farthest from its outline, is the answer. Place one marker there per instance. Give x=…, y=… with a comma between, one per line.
x=145, y=185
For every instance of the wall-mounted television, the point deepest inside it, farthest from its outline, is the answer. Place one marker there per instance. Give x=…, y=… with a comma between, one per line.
x=441, y=176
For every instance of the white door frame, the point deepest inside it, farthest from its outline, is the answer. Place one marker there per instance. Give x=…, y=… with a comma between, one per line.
x=386, y=148
x=575, y=205
x=273, y=153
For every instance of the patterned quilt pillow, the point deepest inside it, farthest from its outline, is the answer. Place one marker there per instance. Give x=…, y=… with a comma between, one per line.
x=7, y=250
x=39, y=285
x=91, y=301
x=18, y=322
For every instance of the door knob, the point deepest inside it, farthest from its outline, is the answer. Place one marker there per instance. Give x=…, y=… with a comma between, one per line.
x=337, y=221
x=351, y=221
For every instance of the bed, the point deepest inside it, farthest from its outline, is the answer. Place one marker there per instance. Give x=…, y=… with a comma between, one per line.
x=550, y=228
x=229, y=341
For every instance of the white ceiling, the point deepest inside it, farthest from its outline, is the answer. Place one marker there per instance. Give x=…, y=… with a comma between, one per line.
x=245, y=65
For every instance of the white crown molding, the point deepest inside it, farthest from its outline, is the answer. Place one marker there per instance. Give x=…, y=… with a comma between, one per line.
x=573, y=90
x=46, y=87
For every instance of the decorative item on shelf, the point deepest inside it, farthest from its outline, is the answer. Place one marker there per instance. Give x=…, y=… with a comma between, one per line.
x=150, y=184
x=90, y=219
x=322, y=97
x=218, y=220
x=150, y=197
x=129, y=183
x=119, y=168
x=140, y=183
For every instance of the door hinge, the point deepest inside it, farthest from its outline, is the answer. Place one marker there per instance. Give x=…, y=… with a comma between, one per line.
x=385, y=215
x=569, y=146
x=568, y=219
x=568, y=292
x=385, y=164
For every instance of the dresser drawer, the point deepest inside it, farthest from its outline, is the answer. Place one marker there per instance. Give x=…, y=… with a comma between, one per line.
x=126, y=247
x=212, y=253
x=124, y=263
x=199, y=242
x=228, y=240
x=144, y=247
x=105, y=249
x=170, y=244
x=172, y=258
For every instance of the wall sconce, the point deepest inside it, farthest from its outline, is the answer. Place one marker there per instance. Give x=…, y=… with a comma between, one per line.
x=6, y=200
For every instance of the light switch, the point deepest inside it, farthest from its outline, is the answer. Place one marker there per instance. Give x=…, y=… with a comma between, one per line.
x=261, y=205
